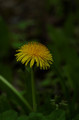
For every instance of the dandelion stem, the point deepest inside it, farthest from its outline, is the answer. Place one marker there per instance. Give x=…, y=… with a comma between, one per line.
x=33, y=91
x=16, y=92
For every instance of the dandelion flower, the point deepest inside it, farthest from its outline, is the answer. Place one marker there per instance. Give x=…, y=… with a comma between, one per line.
x=35, y=52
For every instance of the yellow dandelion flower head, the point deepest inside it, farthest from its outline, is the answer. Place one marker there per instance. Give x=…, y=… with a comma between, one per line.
x=35, y=52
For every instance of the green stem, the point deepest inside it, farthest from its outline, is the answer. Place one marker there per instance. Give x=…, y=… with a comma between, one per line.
x=16, y=92
x=33, y=91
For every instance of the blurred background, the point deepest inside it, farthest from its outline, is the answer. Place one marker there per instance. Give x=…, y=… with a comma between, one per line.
x=55, y=23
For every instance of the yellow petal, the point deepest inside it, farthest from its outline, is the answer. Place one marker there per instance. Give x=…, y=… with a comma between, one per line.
x=27, y=61
x=41, y=63
x=37, y=61
x=24, y=59
x=32, y=62
x=19, y=58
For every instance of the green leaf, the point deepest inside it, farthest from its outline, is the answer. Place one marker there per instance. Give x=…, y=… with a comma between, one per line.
x=36, y=116
x=23, y=118
x=57, y=115
x=12, y=115
x=18, y=44
x=22, y=25
x=8, y=115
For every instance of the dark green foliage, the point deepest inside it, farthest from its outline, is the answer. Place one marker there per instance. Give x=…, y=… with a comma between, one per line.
x=4, y=104
x=4, y=38
x=23, y=118
x=12, y=115
x=8, y=115
x=36, y=116
x=57, y=115
x=76, y=118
